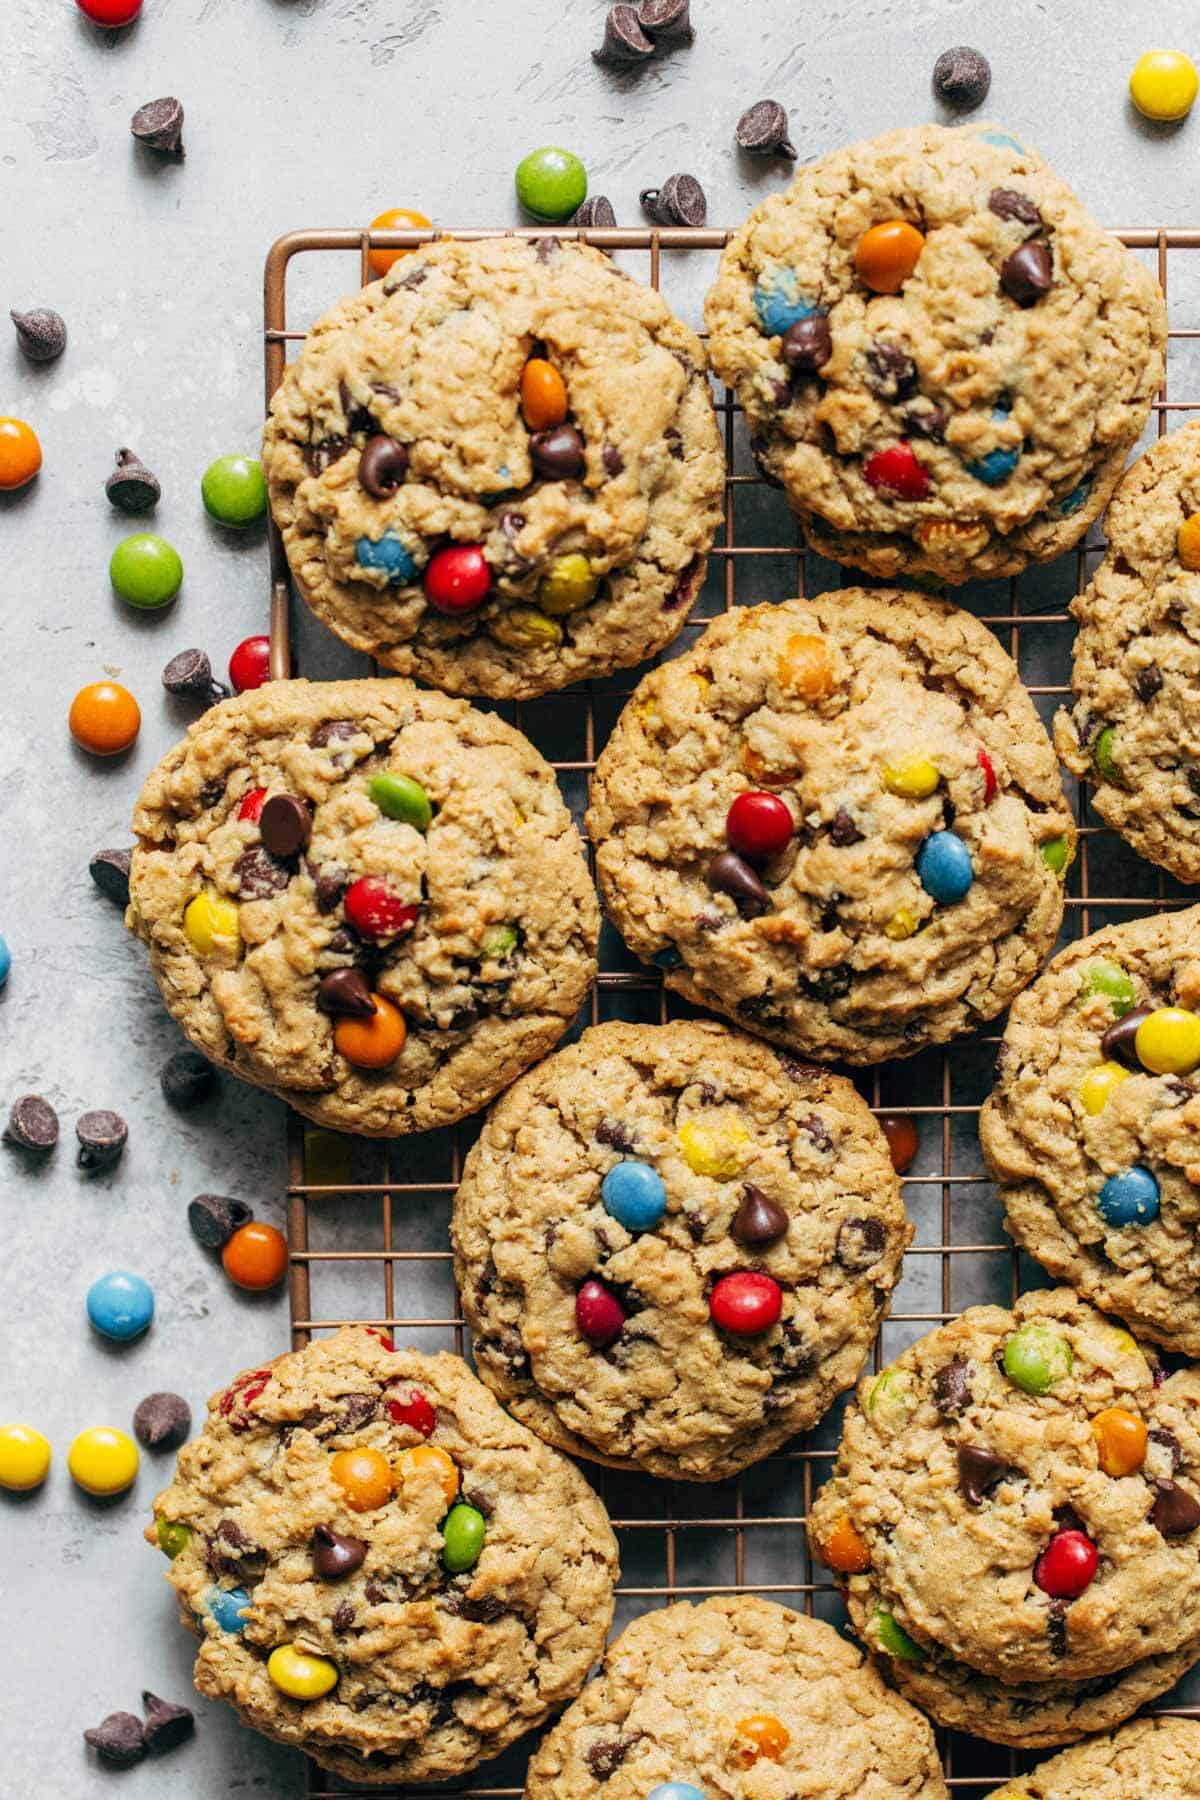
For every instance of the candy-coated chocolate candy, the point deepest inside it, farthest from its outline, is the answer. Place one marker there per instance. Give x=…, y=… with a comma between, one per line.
x=301, y=1675
x=887, y=1400
x=400, y=797
x=845, y=1549
x=1114, y=983
x=110, y=13
x=886, y=255
x=425, y=1461
x=1162, y=84
x=250, y=664
x=989, y=776
x=1036, y=1358
x=234, y=490
x=395, y=218
x=498, y=943
x=372, y=1043
x=227, y=1608
x=676, y=1790
x=375, y=911
x=901, y=924
x=1078, y=496
x=525, y=628
x=457, y=578
x=5, y=961
x=211, y=924
x=634, y=1195
x=995, y=465
x=543, y=394
x=1168, y=1041
x=24, y=1458
x=1130, y=1198
x=336, y=1555
x=463, y=1531
x=382, y=465
x=779, y=303
x=944, y=867
x=1067, y=1565
x=762, y=1735
x=390, y=554
x=415, y=1410
x=173, y=1537
x=900, y=1130
x=1187, y=542
x=103, y=1460
x=1056, y=853
x=1096, y=1088
x=893, y=1640
x=252, y=805
x=746, y=1302
x=1104, y=754
x=713, y=1150
x=20, y=453
x=256, y=1256
x=364, y=1476
x=146, y=571
x=1121, y=1439
x=551, y=183
x=599, y=1315
x=1003, y=141
x=120, y=1305
x=803, y=666
x=897, y=470
x=759, y=825
x=915, y=778
x=104, y=718
x=568, y=584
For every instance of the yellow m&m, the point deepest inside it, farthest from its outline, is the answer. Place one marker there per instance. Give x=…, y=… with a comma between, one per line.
x=1096, y=1088
x=1168, y=1041
x=299, y=1674
x=211, y=924
x=24, y=1458
x=713, y=1150
x=913, y=779
x=103, y=1461
x=1163, y=84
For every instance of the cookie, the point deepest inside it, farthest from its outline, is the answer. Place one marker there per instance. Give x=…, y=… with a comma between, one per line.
x=383, y=1568
x=1136, y=670
x=367, y=898
x=1151, y=1759
x=839, y=821
x=743, y=1700
x=1092, y=1131
x=1021, y=1490
x=942, y=357
x=498, y=468
x=662, y=1164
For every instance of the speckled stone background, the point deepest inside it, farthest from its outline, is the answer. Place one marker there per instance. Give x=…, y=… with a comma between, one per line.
x=299, y=112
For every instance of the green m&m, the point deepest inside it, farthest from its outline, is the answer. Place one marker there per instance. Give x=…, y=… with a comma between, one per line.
x=173, y=1538
x=463, y=1532
x=234, y=490
x=1113, y=982
x=400, y=797
x=893, y=1639
x=1037, y=1358
x=146, y=571
x=551, y=183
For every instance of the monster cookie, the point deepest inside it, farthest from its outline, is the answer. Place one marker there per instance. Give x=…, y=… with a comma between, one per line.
x=498, y=468
x=942, y=357
x=736, y=1699
x=1021, y=1492
x=383, y=1568
x=674, y=1248
x=1133, y=729
x=1093, y=1129
x=839, y=821
x=367, y=898
x=1152, y=1759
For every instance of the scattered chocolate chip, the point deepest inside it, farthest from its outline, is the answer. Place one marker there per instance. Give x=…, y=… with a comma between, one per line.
x=612, y=459
x=131, y=487
x=102, y=1137
x=215, y=1217
x=1007, y=203
x=1117, y=1044
x=860, y=1242
x=335, y=1556
x=606, y=1755
x=979, y=1471
x=816, y=1130
x=167, y=1725
x=679, y=201
x=32, y=1124
x=285, y=824
x=382, y=465
x=330, y=885
x=830, y=984
x=684, y=590
x=159, y=125
x=41, y=334
x=162, y=1421
x=190, y=673
x=843, y=831
x=1147, y=682
x=952, y=1387
x=109, y=869
x=344, y=993
x=666, y=21
x=557, y=452
x=892, y=373
x=412, y=279
x=624, y=40
x=120, y=1739
x=1176, y=1513
x=186, y=1079
x=808, y=344
x=961, y=78
x=763, y=130
x=1027, y=274
x=730, y=874
x=759, y=1220
x=343, y=1618
x=258, y=876
x=357, y=1410
x=596, y=211
x=928, y=419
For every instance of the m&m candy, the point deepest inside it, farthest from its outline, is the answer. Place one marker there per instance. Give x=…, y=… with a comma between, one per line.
x=944, y=868
x=256, y=1256
x=24, y=1458
x=1168, y=1041
x=227, y=1608
x=104, y=718
x=599, y=1315
x=746, y=1302
x=759, y=825
x=395, y=218
x=103, y=1461
x=250, y=664
x=1036, y=1357
x=1163, y=85
x=20, y=454
x=299, y=1674
x=1130, y=1198
x=634, y=1195
x=120, y=1305
x=1067, y=1565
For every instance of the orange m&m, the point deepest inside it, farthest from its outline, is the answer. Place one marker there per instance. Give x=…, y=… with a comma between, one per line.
x=762, y=1734
x=543, y=394
x=887, y=254
x=1121, y=1439
x=396, y=218
x=256, y=1256
x=375, y=1042
x=104, y=718
x=364, y=1476
x=20, y=453
x=845, y=1549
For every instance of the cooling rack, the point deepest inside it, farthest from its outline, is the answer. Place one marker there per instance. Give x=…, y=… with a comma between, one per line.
x=368, y=1221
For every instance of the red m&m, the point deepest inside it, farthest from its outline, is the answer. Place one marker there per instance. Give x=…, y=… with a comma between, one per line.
x=250, y=664
x=895, y=470
x=1067, y=1565
x=252, y=805
x=746, y=1303
x=110, y=13
x=598, y=1313
x=457, y=578
x=989, y=776
x=375, y=911
x=759, y=825
x=414, y=1410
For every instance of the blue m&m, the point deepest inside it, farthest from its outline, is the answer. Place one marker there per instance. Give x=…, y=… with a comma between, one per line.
x=1071, y=503
x=120, y=1305
x=1002, y=140
x=634, y=1195
x=778, y=302
x=675, y=1790
x=226, y=1606
x=997, y=465
x=944, y=867
x=388, y=554
x=1130, y=1198
x=5, y=961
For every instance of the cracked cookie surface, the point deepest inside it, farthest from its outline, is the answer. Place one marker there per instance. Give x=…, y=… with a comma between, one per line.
x=759, y=1164
x=430, y=362
x=1150, y=1759
x=883, y=723
x=434, y=1671
x=973, y=414
x=486, y=945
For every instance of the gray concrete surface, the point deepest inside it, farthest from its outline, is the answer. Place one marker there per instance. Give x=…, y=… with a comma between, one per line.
x=298, y=112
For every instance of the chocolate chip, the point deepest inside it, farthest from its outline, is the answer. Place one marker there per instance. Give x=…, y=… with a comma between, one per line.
x=892, y=371
x=1056, y=1627
x=343, y=1618
x=257, y=875
x=32, y=1124
x=979, y=1471
x=191, y=673
x=357, y=1410
x=167, y=1725
x=843, y=831
x=730, y=874
x=330, y=885
x=952, y=1387
x=335, y=1556
x=186, y=1079
x=808, y=344
x=344, y=993
x=611, y=1131
x=328, y=450
x=109, y=869
x=1027, y=274
x=818, y=1133
x=285, y=824
x=759, y=1220
x=961, y=78
x=1117, y=1044
x=927, y=419
x=1007, y=203
x=41, y=334
x=334, y=731
x=120, y=1739
x=624, y=40
x=860, y=1242
x=763, y=130
x=606, y=1755
x=596, y=211
x=1176, y=1513
x=215, y=1217
x=830, y=984
x=102, y=1136
x=211, y=793
x=666, y=21
x=546, y=247
x=612, y=459
x=1147, y=682
x=131, y=487
x=159, y=125
x=382, y=465
x=162, y=1421
x=679, y=201
x=1170, y=1443
x=412, y=279
x=557, y=452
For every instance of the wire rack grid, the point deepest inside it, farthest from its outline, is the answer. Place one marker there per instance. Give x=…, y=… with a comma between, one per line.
x=367, y=1221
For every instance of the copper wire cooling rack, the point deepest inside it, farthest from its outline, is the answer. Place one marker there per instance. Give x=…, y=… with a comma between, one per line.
x=367, y=1221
